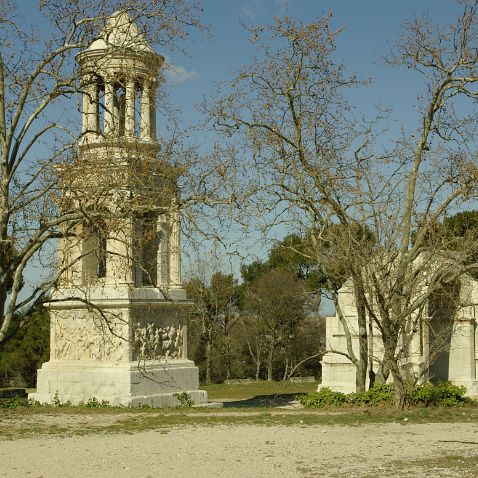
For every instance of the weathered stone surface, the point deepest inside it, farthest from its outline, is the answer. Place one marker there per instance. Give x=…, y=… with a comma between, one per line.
x=455, y=358
x=130, y=384
x=118, y=317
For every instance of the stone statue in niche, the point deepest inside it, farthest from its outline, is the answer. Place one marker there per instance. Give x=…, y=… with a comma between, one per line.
x=153, y=342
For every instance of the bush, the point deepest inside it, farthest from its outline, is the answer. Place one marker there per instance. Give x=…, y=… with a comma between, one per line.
x=92, y=402
x=423, y=394
x=14, y=402
x=443, y=394
x=379, y=394
x=323, y=398
x=184, y=399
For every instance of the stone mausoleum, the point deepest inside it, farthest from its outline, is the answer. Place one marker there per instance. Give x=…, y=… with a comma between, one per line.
x=443, y=348
x=118, y=316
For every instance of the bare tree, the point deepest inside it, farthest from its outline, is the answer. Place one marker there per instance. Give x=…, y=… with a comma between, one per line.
x=277, y=301
x=321, y=167
x=436, y=167
x=215, y=312
x=289, y=107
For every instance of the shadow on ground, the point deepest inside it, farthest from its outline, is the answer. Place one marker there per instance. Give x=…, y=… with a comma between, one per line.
x=276, y=400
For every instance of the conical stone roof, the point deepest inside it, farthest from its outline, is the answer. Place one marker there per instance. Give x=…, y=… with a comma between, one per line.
x=121, y=32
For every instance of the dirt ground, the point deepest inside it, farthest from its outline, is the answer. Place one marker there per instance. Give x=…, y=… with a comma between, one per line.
x=238, y=450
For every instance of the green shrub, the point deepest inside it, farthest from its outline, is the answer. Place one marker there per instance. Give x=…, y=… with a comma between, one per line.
x=184, y=399
x=449, y=394
x=13, y=402
x=55, y=401
x=424, y=394
x=323, y=398
x=35, y=403
x=93, y=402
x=443, y=394
x=379, y=394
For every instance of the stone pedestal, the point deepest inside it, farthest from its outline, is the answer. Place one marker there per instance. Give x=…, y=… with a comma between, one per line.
x=154, y=383
x=126, y=347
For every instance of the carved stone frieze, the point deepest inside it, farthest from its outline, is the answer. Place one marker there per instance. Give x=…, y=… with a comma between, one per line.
x=153, y=341
x=82, y=339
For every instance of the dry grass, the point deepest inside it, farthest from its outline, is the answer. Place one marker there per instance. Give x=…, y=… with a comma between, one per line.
x=64, y=421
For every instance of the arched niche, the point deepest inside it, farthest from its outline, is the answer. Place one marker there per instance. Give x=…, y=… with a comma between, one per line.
x=147, y=242
x=94, y=252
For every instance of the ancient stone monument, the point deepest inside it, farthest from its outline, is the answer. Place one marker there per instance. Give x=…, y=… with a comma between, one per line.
x=443, y=348
x=118, y=316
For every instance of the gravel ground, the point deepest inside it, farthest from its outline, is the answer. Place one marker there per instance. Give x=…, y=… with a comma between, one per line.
x=372, y=450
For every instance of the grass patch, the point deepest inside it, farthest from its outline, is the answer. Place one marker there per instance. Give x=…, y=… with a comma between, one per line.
x=66, y=421
x=436, y=466
x=217, y=391
x=463, y=466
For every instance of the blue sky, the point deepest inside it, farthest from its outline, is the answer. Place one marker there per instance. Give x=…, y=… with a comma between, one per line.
x=370, y=27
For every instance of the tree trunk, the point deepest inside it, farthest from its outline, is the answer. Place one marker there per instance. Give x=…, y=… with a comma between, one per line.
x=360, y=376
x=371, y=371
x=208, y=361
x=258, y=360
x=227, y=358
x=286, y=368
x=258, y=367
x=361, y=365
x=383, y=373
x=400, y=397
x=270, y=362
x=399, y=388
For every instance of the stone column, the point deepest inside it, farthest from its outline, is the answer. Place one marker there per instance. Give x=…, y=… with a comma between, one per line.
x=462, y=351
x=116, y=113
x=426, y=346
x=472, y=327
x=175, y=250
x=90, y=106
x=94, y=108
x=163, y=252
x=86, y=108
x=146, y=111
x=108, y=127
x=152, y=110
x=185, y=341
x=129, y=114
x=476, y=346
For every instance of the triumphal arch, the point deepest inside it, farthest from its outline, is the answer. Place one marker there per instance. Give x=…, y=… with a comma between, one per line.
x=118, y=315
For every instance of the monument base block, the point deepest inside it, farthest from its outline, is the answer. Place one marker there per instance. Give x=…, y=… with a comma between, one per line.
x=152, y=383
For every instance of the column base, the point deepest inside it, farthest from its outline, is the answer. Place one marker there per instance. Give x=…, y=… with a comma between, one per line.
x=155, y=384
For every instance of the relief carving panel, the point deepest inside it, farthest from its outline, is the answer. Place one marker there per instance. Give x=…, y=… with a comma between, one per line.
x=154, y=341
x=82, y=339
